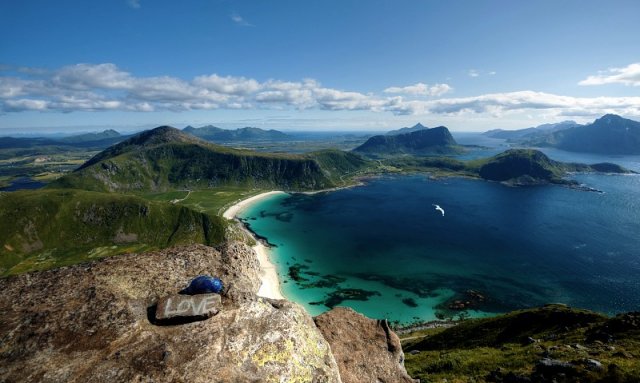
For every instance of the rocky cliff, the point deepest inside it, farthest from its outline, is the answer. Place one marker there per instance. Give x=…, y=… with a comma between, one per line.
x=95, y=322
x=366, y=350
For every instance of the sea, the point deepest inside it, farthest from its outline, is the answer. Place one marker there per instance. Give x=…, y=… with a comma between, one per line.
x=384, y=250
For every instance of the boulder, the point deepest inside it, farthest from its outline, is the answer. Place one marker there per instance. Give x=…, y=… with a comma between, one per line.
x=366, y=350
x=94, y=322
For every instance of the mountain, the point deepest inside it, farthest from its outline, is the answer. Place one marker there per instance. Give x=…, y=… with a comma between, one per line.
x=532, y=167
x=530, y=132
x=212, y=133
x=412, y=129
x=610, y=134
x=427, y=141
x=45, y=228
x=167, y=158
x=108, y=136
x=521, y=164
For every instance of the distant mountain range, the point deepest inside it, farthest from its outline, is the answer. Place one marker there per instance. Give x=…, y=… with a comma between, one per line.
x=610, y=134
x=530, y=132
x=215, y=134
x=166, y=158
x=412, y=129
x=420, y=141
x=85, y=140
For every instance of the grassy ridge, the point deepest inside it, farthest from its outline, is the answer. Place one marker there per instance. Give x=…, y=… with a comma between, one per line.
x=194, y=166
x=49, y=228
x=578, y=345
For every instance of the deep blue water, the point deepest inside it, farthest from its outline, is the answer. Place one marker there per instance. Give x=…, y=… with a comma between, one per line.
x=23, y=183
x=517, y=247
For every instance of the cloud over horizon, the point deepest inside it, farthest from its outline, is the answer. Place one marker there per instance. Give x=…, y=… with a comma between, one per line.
x=106, y=87
x=421, y=89
x=629, y=75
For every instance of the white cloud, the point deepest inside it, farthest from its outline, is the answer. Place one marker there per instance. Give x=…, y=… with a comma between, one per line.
x=105, y=87
x=228, y=84
x=87, y=76
x=421, y=89
x=236, y=18
x=629, y=75
x=499, y=103
x=135, y=4
x=476, y=73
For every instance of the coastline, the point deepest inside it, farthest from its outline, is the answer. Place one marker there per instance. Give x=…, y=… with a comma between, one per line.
x=270, y=284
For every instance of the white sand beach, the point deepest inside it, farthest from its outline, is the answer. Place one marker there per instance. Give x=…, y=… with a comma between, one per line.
x=231, y=212
x=270, y=287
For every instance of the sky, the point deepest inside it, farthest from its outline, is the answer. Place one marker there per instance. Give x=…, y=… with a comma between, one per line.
x=347, y=65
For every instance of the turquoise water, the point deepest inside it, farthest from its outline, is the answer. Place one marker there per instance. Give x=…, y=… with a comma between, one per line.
x=384, y=250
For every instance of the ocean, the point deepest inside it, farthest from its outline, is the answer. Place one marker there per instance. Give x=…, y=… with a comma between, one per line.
x=383, y=250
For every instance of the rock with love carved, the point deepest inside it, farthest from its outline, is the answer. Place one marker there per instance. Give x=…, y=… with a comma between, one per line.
x=188, y=306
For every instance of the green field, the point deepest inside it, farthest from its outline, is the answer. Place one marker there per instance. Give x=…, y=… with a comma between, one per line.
x=210, y=201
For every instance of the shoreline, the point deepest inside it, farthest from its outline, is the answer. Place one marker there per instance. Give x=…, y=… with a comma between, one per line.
x=270, y=284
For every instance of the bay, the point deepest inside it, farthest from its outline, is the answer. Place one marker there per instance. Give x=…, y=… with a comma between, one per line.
x=385, y=251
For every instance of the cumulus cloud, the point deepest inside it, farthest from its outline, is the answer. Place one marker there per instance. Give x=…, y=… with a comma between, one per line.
x=629, y=75
x=106, y=87
x=421, y=89
x=473, y=73
x=499, y=103
x=236, y=18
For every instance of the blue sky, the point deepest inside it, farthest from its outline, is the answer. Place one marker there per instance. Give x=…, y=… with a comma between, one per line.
x=337, y=65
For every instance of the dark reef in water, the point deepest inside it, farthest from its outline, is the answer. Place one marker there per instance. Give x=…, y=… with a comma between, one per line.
x=283, y=217
x=410, y=302
x=295, y=273
x=299, y=272
x=337, y=297
x=469, y=294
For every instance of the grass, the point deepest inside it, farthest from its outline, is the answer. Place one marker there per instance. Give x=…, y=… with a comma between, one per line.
x=483, y=350
x=210, y=201
x=48, y=228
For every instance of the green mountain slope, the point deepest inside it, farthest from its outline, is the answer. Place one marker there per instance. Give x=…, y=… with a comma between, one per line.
x=554, y=343
x=166, y=158
x=519, y=163
x=423, y=141
x=47, y=228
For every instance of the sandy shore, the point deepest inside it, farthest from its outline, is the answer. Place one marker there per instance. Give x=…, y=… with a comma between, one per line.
x=231, y=212
x=270, y=286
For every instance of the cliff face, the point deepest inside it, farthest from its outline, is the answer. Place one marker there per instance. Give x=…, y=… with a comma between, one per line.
x=95, y=322
x=366, y=350
x=90, y=323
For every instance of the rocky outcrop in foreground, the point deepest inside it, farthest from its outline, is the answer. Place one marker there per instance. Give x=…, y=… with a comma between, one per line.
x=93, y=323
x=366, y=350
x=119, y=320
